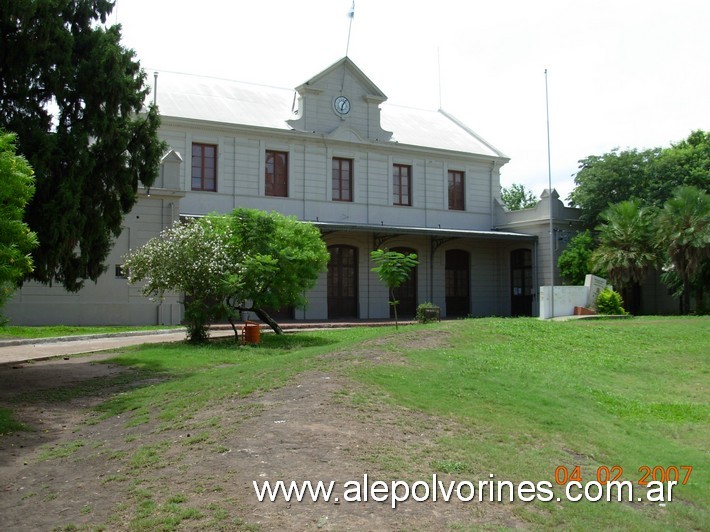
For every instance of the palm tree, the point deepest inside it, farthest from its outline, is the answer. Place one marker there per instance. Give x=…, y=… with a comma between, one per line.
x=626, y=250
x=684, y=235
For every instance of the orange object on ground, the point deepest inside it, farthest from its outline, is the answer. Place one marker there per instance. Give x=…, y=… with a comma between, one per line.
x=251, y=332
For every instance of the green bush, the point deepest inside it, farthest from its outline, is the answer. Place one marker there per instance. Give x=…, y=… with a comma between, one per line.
x=422, y=316
x=609, y=302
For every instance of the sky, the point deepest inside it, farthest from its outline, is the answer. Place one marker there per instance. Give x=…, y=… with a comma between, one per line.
x=620, y=73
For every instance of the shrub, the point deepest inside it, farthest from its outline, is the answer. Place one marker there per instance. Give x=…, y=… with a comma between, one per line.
x=609, y=302
x=422, y=316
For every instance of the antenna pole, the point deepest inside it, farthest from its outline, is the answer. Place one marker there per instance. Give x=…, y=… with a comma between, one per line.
x=438, y=60
x=549, y=188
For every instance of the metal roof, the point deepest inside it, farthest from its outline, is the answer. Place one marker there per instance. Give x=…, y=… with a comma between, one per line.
x=232, y=102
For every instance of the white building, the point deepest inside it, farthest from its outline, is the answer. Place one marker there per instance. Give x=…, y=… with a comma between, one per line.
x=369, y=174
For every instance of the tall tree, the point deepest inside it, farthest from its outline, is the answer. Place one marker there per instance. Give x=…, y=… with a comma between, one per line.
x=75, y=97
x=626, y=251
x=609, y=179
x=684, y=235
x=649, y=176
x=16, y=239
x=517, y=197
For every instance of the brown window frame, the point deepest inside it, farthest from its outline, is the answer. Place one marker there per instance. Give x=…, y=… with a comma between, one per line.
x=201, y=159
x=457, y=188
x=341, y=184
x=271, y=186
x=397, y=194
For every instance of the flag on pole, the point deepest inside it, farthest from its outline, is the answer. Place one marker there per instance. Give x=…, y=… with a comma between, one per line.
x=351, y=13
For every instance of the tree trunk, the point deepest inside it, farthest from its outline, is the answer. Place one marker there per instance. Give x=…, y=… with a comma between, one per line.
x=394, y=307
x=234, y=328
x=263, y=316
x=685, y=298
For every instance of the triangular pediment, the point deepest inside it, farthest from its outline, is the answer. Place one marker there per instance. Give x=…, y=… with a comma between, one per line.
x=340, y=102
x=345, y=64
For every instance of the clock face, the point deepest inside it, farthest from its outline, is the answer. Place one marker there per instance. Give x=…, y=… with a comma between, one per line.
x=341, y=105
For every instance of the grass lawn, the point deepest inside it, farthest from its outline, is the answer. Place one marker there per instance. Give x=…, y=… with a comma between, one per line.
x=16, y=331
x=524, y=398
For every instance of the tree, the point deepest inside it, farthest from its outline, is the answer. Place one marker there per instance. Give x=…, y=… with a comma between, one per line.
x=74, y=97
x=16, y=239
x=517, y=197
x=626, y=250
x=393, y=268
x=609, y=179
x=684, y=235
x=279, y=259
x=649, y=176
x=190, y=258
x=574, y=261
x=228, y=264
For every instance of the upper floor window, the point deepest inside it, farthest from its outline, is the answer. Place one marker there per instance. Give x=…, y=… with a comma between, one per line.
x=276, y=173
x=204, y=167
x=342, y=179
x=456, y=190
x=402, y=184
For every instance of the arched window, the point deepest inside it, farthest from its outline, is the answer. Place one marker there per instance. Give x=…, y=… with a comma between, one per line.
x=342, y=282
x=406, y=293
x=458, y=300
x=521, y=282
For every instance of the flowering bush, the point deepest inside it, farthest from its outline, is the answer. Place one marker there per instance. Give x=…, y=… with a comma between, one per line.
x=190, y=258
x=223, y=265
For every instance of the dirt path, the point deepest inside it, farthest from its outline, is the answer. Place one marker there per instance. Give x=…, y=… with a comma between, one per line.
x=321, y=426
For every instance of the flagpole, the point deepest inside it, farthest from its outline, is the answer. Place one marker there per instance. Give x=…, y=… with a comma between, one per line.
x=549, y=188
x=351, y=15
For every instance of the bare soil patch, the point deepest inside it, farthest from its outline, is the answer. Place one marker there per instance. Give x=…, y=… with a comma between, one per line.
x=71, y=470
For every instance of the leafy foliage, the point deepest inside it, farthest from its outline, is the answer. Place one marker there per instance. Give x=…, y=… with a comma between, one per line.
x=422, y=315
x=279, y=259
x=190, y=258
x=609, y=302
x=222, y=263
x=16, y=239
x=393, y=268
x=74, y=96
x=649, y=176
x=574, y=261
x=517, y=197
x=684, y=236
x=626, y=250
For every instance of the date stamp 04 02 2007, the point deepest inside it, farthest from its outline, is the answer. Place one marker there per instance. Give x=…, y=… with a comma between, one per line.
x=614, y=473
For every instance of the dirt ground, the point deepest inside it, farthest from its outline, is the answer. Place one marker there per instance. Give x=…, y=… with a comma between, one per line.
x=74, y=471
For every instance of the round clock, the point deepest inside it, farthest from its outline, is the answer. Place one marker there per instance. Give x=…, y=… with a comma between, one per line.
x=341, y=105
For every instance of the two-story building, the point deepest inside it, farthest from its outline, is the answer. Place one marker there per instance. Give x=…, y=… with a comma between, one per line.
x=333, y=152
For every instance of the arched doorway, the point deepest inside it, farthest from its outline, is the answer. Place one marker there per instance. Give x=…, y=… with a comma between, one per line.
x=406, y=293
x=342, y=282
x=458, y=300
x=521, y=282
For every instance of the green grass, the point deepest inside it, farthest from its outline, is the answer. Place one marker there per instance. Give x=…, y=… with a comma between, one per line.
x=15, y=331
x=534, y=395
x=8, y=423
x=519, y=397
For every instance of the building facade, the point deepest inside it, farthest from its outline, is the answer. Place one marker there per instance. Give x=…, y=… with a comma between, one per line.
x=332, y=152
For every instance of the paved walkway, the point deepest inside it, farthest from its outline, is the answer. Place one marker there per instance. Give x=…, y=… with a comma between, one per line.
x=24, y=350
